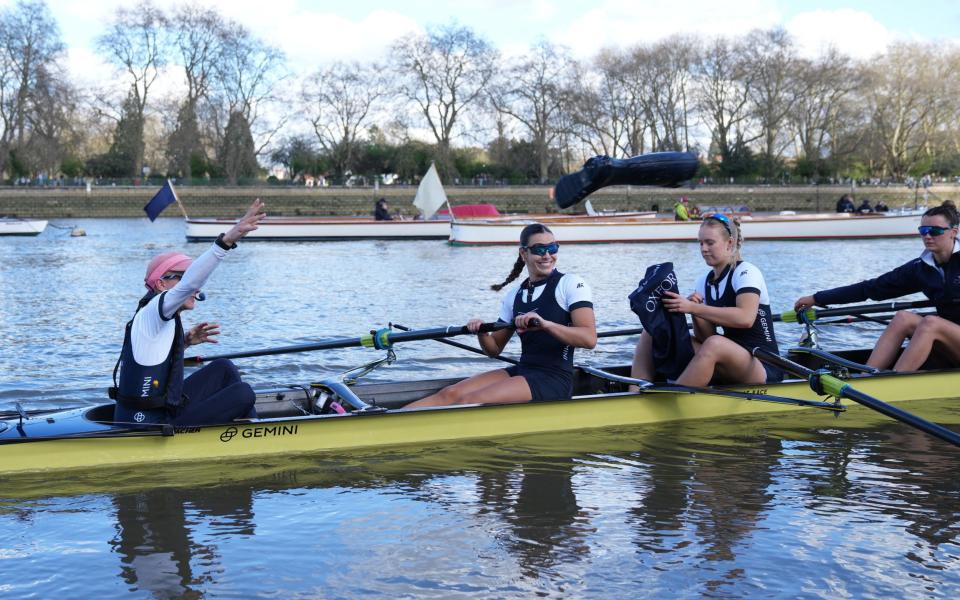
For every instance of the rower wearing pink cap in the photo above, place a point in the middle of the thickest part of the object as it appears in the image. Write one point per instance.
(149, 385)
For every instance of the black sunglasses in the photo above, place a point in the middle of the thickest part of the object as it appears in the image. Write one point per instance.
(542, 249)
(172, 276)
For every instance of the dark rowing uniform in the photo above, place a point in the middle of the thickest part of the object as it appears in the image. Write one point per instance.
(744, 278)
(545, 362)
(938, 282)
(149, 378)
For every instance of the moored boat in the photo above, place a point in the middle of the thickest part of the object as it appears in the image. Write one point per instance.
(300, 419)
(815, 226)
(324, 229)
(17, 226)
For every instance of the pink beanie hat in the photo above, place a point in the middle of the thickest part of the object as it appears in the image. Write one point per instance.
(168, 261)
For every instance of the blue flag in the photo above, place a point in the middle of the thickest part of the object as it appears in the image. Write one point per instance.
(164, 198)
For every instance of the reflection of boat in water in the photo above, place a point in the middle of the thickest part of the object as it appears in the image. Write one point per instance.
(297, 419)
(18, 226)
(755, 227)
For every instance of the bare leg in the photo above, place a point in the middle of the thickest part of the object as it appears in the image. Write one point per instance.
(642, 360)
(453, 394)
(726, 358)
(888, 346)
(931, 330)
(509, 391)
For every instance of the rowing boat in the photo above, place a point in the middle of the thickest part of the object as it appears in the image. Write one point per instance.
(297, 419)
(815, 226)
(366, 228)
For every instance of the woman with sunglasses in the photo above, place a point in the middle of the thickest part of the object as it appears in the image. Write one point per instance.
(936, 273)
(151, 387)
(732, 295)
(552, 313)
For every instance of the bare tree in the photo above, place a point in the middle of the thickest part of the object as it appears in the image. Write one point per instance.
(723, 86)
(598, 101)
(198, 35)
(341, 99)
(249, 75)
(30, 47)
(531, 91)
(443, 73)
(898, 99)
(822, 113)
(671, 70)
(771, 57)
(134, 42)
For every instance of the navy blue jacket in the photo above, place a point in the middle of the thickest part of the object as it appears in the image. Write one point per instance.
(672, 348)
(940, 283)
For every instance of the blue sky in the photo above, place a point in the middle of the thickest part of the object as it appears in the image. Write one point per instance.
(315, 32)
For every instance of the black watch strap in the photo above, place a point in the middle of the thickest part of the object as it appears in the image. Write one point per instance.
(223, 244)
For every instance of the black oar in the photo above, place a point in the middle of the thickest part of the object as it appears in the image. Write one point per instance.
(383, 338)
(825, 384)
(812, 314)
(647, 387)
(506, 359)
(513, 361)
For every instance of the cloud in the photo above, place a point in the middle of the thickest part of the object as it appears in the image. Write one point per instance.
(624, 23)
(853, 32)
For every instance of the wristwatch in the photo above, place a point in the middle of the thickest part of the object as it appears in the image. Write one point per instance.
(223, 244)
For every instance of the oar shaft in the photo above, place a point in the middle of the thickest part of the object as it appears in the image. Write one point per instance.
(826, 384)
(812, 314)
(506, 359)
(377, 339)
(899, 414)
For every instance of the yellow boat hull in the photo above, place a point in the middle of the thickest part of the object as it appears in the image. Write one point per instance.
(343, 432)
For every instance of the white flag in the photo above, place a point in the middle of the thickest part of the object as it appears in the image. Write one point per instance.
(430, 194)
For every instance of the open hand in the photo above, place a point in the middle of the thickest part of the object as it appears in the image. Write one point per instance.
(249, 222)
(202, 333)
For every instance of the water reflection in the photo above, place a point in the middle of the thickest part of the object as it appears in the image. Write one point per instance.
(538, 502)
(156, 536)
(735, 508)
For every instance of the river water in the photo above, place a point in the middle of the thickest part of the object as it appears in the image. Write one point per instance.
(809, 506)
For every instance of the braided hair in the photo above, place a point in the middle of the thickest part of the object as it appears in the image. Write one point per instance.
(525, 235)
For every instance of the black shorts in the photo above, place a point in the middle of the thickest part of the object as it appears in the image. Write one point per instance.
(545, 384)
(774, 374)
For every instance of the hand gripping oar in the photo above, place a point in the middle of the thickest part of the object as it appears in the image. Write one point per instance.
(380, 339)
(824, 384)
(659, 168)
(812, 314)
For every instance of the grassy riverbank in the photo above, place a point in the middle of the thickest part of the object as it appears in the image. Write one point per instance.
(229, 201)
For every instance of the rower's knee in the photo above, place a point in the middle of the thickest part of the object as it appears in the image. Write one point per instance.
(929, 326)
(904, 322)
(712, 347)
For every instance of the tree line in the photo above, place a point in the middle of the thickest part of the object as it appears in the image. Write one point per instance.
(752, 106)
